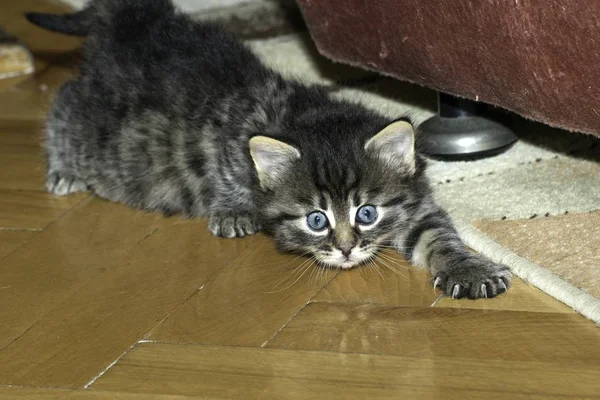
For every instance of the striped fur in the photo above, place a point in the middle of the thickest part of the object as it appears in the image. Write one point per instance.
(161, 118)
(433, 243)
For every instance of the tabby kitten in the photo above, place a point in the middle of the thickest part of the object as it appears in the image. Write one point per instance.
(177, 116)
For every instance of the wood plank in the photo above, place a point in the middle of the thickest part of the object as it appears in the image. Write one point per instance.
(24, 139)
(229, 372)
(48, 81)
(565, 339)
(27, 103)
(98, 281)
(33, 209)
(45, 271)
(520, 297)
(248, 303)
(406, 285)
(21, 160)
(11, 240)
(17, 393)
(409, 286)
(23, 107)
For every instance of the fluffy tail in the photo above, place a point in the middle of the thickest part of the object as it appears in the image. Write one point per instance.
(76, 24)
(125, 11)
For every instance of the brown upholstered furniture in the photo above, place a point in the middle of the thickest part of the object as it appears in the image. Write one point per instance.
(538, 58)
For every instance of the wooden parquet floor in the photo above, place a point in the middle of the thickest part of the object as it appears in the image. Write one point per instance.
(100, 301)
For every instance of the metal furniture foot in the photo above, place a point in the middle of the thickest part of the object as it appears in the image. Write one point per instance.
(461, 131)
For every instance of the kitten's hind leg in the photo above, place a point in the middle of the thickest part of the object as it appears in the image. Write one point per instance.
(60, 180)
(63, 177)
(230, 225)
(62, 185)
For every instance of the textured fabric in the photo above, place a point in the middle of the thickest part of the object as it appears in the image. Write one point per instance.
(542, 278)
(533, 190)
(567, 245)
(538, 58)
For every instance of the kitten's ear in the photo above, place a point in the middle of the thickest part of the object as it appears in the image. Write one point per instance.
(271, 158)
(395, 144)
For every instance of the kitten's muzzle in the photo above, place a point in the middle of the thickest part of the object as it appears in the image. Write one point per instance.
(346, 248)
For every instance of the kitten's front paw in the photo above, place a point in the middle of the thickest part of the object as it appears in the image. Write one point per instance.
(231, 225)
(476, 277)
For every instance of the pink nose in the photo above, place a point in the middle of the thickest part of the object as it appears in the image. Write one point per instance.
(346, 249)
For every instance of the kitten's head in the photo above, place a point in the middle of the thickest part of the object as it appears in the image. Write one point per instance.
(342, 196)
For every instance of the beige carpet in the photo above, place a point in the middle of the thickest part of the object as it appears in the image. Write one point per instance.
(568, 245)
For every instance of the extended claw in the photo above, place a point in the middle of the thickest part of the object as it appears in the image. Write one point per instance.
(503, 285)
(484, 290)
(455, 291)
(437, 282)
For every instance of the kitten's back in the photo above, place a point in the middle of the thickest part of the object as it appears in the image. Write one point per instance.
(145, 122)
(151, 40)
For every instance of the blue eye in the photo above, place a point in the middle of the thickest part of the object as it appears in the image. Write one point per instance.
(317, 221)
(366, 215)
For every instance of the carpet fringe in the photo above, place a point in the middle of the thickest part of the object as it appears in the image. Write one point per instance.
(535, 275)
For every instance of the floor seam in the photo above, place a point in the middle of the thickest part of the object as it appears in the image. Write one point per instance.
(87, 197)
(105, 370)
(210, 278)
(19, 337)
(144, 338)
(363, 353)
(17, 247)
(152, 232)
(42, 229)
(21, 229)
(298, 312)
